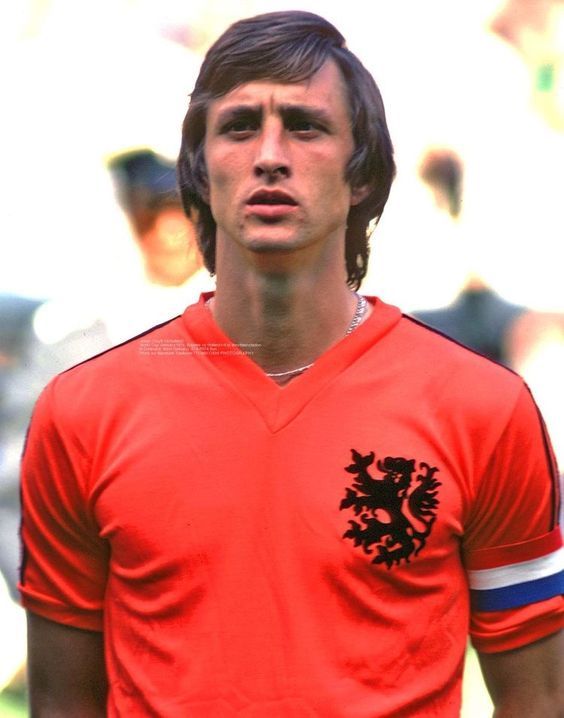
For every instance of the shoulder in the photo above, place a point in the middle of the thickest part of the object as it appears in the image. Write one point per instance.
(458, 381)
(436, 353)
(114, 376)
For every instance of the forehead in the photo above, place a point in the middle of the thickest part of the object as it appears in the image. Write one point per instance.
(325, 90)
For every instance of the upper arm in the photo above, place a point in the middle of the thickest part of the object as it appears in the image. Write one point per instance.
(527, 682)
(64, 558)
(64, 569)
(66, 669)
(512, 541)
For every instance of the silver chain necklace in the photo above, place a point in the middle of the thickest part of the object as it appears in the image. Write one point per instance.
(359, 313)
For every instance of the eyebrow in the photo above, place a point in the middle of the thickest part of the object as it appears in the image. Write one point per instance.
(286, 111)
(309, 112)
(230, 113)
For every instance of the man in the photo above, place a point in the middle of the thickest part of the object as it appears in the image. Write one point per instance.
(478, 318)
(281, 515)
(16, 314)
(148, 194)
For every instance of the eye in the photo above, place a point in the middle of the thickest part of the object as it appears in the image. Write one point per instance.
(304, 128)
(240, 129)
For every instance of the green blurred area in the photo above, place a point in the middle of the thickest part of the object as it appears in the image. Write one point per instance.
(13, 704)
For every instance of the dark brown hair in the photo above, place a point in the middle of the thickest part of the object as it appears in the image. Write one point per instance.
(290, 47)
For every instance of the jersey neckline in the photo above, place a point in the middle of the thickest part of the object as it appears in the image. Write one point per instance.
(279, 405)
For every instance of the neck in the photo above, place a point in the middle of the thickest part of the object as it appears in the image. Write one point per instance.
(290, 319)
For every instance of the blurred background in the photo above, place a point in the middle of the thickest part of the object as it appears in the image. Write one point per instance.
(95, 248)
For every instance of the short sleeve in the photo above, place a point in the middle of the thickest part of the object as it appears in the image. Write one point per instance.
(64, 560)
(513, 542)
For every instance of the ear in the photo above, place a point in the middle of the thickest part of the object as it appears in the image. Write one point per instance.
(358, 194)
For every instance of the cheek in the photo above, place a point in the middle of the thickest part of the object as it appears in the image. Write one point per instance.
(217, 183)
(225, 166)
(331, 183)
(225, 179)
(213, 167)
(225, 175)
(327, 169)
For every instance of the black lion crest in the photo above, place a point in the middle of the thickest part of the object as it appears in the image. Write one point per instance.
(396, 511)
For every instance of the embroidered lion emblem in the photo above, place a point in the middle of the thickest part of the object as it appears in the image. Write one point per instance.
(396, 511)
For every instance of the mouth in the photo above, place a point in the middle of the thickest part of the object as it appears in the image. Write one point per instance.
(271, 204)
(271, 197)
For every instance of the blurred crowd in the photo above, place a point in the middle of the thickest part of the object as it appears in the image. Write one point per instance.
(469, 243)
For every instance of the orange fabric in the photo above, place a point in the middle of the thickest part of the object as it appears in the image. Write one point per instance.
(203, 517)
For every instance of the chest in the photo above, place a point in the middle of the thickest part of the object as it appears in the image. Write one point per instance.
(354, 484)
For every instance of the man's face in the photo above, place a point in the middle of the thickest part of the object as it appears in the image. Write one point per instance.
(276, 156)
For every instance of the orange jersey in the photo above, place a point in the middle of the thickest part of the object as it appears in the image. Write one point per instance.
(319, 549)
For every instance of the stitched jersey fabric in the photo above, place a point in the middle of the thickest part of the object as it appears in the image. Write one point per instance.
(320, 549)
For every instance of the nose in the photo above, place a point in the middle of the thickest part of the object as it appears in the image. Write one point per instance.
(272, 157)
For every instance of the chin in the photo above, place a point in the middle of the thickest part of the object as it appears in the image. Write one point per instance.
(274, 242)
(261, 246)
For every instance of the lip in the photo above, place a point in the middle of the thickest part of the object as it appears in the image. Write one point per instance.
(271, 211)
(271, 204)
(271, 197)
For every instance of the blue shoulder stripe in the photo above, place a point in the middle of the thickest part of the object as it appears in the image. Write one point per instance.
(521, 594)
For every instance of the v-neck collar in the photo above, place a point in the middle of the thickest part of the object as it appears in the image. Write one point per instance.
(279, 405)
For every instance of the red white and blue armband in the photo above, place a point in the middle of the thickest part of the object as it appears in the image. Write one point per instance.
(513, 576)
